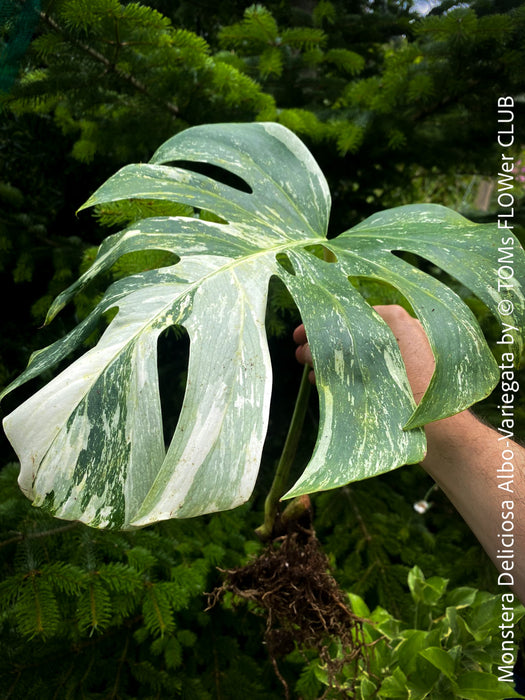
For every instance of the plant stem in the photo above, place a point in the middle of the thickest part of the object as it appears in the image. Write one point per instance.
(280, 482)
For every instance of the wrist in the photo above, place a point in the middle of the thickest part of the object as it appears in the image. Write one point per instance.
(447, 438)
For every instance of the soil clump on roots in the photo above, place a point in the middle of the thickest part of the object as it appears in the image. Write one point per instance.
(291, 584)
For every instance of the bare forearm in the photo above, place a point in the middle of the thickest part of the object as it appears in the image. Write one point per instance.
(467, 459)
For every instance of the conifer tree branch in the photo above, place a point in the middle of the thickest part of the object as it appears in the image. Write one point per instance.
(34, 535)
(348, 493)
(110, 66)
(446, 101)
(122, 660)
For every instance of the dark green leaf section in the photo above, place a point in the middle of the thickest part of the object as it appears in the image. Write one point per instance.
(465, 369)
(356, 357)
(471, 253)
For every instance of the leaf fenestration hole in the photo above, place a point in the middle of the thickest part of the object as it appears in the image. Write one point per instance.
(425, 265)
(430, 268)
(173, 350)
(420, 262)
(215, 172)
(378, 292)
(285, 262)
(322, 252)
(328, 255)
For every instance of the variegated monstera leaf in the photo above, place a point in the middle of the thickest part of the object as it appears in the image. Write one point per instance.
(91, 441)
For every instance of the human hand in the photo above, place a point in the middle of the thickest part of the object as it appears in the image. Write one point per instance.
(411, 338)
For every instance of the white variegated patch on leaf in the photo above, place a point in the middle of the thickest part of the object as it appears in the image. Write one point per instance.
(91, 441)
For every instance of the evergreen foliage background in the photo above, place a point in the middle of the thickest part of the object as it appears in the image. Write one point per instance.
(396, 108)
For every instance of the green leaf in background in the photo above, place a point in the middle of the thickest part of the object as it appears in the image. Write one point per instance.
(91, 441)
(440, 659)
(367, 689)
(482, 686)
(395, 686)
(426, 591)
